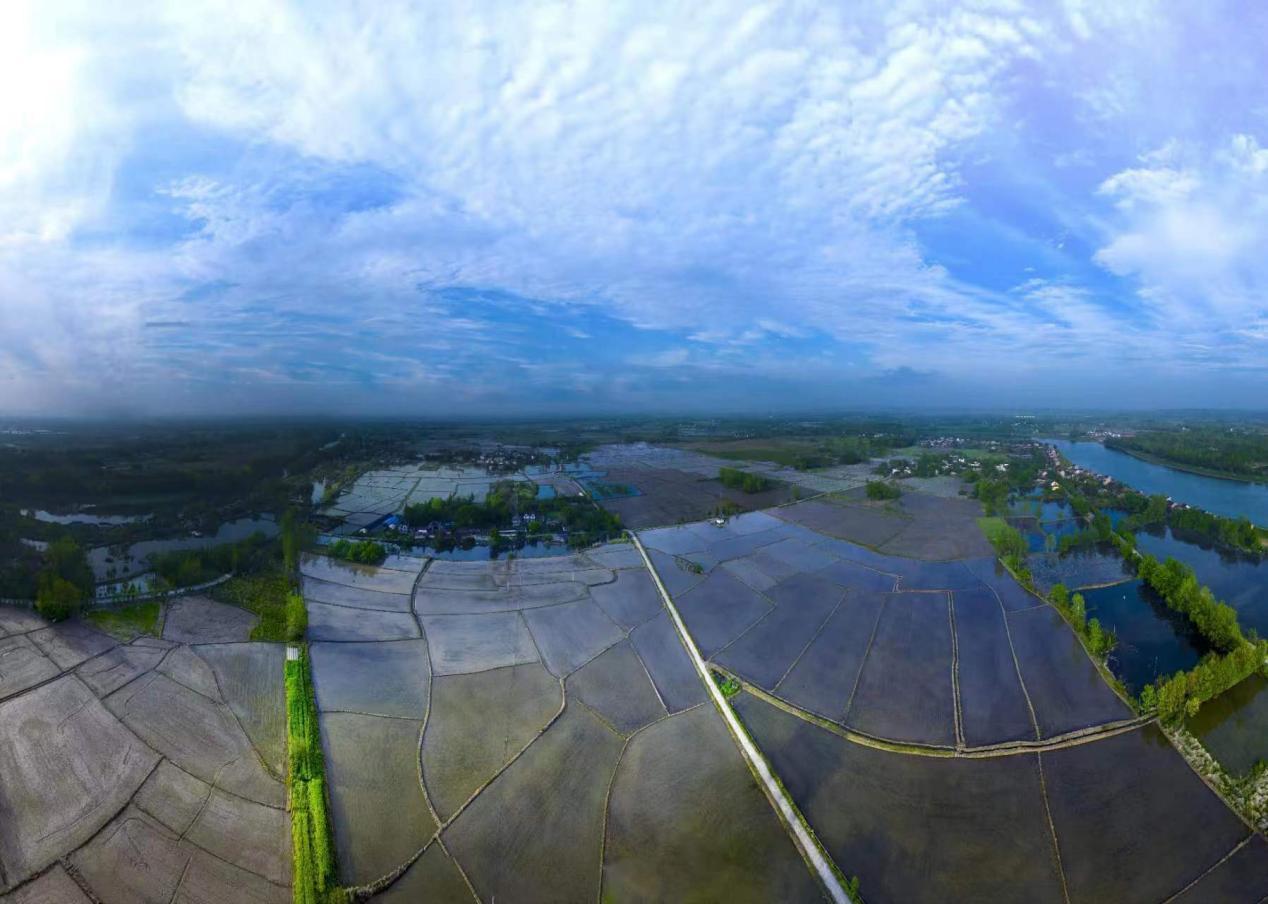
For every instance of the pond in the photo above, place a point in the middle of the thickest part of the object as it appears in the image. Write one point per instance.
(1239, 580)
(1033, 506)
(1230, 498)
(83, 518)
(1043, 536)
(1088, 566)
(1234, 726)
(133, 560)
(1152, 640)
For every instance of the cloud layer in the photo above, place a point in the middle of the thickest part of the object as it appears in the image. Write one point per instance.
(492, 208)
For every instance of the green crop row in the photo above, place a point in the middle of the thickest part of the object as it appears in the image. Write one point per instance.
(315, 876)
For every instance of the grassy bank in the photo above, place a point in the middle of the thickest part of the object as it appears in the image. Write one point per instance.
(315, 875)
(994, 528)
(127, 622)
(273, 598)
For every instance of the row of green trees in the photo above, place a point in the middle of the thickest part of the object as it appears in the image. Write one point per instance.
(1235, 657)
(1178, 586)
(1236, 533)
(1183, 693)
(1073, 607)
(187, 567)
(1239, 533)
(1011, 548)
(736, 479)
(1101, 530)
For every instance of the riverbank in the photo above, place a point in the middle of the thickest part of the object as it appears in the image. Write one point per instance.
(1213, 473)
(1231, 499)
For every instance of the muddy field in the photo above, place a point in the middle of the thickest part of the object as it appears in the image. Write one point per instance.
(520, 735)
(534, 730)
(944, 654)
(667, 496)
(145, 771)
(1116, 819)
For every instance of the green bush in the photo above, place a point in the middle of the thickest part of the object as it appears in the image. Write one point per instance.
(57, 599)
(879, 489)
(366, 552)
(1008, 542)
(736, 479)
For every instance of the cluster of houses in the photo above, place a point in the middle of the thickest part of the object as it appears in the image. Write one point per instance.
(1057, 471)
(445, 531)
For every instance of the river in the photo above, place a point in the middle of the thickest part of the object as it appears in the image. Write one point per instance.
(1234, 726)
(1230, 498)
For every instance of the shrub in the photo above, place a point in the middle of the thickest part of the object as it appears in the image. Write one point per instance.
(367, 552)
(880, 489)
(742, 480)
(57, 599)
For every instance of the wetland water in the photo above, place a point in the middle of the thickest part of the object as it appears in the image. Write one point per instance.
(133, 561)
(1234, 726)
(1230, 498)
(1240, 581)
(1152, 640)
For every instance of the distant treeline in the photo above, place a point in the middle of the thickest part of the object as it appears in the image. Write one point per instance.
(1207, 448)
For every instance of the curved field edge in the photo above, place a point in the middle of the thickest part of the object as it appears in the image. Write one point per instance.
(837, 887)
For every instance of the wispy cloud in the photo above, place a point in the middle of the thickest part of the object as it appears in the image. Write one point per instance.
(279, 204)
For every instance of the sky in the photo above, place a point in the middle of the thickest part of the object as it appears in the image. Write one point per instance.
(495, 208)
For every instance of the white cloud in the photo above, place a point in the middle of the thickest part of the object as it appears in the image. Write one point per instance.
(1192, 231)
(740, 177)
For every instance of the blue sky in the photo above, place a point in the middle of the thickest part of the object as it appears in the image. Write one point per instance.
(493, 208)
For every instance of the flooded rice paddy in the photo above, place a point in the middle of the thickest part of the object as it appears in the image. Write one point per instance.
(537, 732)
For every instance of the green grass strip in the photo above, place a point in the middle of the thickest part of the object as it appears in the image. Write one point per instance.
(315, 875)
(127, 622)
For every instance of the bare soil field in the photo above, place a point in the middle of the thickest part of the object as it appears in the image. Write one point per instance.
(670, 496)
(871, 640)
(497, 734)
(977, 753)
(126, 774)
(1120, 818)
